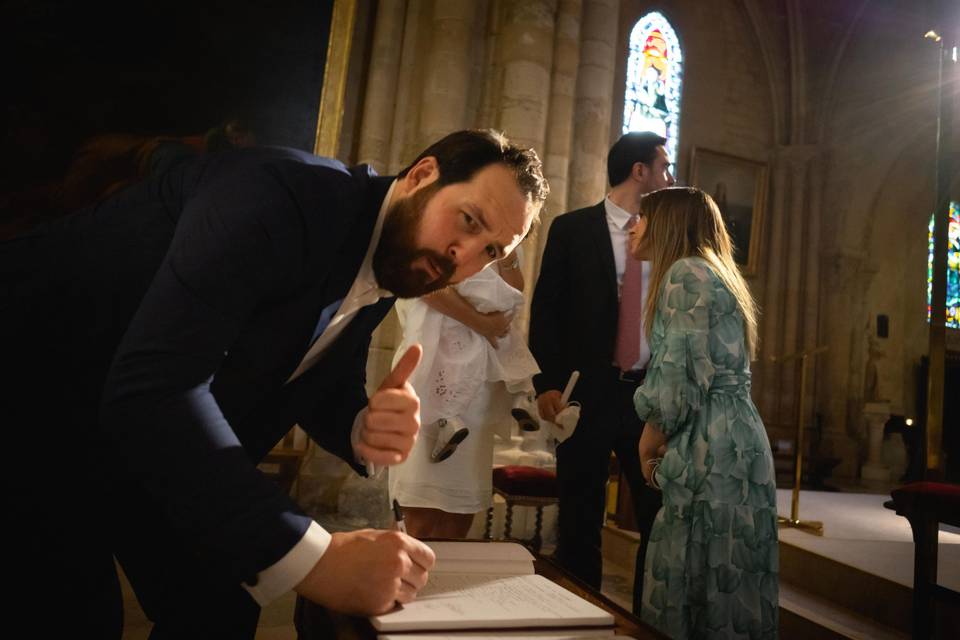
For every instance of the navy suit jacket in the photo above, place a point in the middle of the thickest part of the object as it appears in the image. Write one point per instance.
(192, 298)
(573, 315)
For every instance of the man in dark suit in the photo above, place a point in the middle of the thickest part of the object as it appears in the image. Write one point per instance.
(577, 324)
(165, 339)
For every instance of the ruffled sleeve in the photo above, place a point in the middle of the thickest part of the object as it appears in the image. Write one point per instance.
(680, 370)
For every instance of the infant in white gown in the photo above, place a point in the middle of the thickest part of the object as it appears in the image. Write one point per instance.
(463, 382)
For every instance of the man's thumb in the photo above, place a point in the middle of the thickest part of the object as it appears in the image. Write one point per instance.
(405, 367)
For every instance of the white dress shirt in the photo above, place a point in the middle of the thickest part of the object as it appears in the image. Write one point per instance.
(618, 221)
(292, 568)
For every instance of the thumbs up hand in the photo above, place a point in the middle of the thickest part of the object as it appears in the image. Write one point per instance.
(393, 415)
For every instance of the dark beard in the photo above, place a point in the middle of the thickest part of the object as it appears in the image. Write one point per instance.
(397, 251)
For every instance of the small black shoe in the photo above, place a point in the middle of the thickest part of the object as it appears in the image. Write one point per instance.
(447, 445)
(524, 419)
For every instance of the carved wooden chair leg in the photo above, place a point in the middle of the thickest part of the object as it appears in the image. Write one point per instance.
(538, 525)
(508, 526)
(489, 528)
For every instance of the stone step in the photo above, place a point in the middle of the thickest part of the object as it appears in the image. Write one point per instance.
(806, 616)
(873, 597)
(619, 546)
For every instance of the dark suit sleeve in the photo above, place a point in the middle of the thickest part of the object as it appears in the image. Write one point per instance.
(342, 398)
(238, 245)
(547, 310)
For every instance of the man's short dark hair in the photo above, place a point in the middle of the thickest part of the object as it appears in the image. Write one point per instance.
(631, 148)
(462, 153)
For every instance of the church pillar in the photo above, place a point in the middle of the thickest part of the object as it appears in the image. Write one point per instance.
(404, 134)
(591, 139)
(766, 372)
(789, 320)
(846, 277)
(556, 150)
(380, 102)
(443, 105)
(525, 50)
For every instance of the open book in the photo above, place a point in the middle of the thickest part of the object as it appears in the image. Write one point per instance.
(490, 585)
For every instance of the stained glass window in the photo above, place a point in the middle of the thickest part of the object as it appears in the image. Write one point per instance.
(953, 267)
(654, 75)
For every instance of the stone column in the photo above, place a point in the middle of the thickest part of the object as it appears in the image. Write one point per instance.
(380, 102)
(404, 136)
(556, 151)
(874, 471)
(446, 85)
(595, 75)
(845, 274)
(767, 374)
(525, 50)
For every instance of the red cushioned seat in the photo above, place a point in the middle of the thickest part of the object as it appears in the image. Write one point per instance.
(939, 499)
(525, 481)
(525, 487)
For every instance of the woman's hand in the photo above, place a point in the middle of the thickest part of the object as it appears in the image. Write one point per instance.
(647, 470)
(653, 444)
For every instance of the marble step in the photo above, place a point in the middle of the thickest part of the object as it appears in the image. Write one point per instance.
(873, 597)
(806, 616)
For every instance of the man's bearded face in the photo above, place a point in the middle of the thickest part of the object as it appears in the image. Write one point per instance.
(397, 250)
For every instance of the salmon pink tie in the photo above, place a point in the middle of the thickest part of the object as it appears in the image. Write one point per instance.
(631, 310)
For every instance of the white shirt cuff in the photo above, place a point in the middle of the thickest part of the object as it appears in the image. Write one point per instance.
(291, 569)
(358, 422)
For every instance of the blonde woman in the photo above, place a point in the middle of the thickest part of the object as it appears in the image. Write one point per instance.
(711, 569)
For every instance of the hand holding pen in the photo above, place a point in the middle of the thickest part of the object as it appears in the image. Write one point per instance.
(398, 517)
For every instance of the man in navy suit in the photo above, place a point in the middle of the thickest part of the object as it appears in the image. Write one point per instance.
(164, 340)
(574, 324)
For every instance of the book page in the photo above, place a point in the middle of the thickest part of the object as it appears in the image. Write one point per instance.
(454, 552)
(461, 601)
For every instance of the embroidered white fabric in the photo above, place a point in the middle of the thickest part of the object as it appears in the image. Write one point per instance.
(457, 360)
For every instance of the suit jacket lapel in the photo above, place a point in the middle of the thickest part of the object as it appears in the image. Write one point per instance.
(354, 248)
(601, 237)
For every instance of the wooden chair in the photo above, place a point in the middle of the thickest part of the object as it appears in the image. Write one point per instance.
(925, 505)
(525, 487)
(285, 460)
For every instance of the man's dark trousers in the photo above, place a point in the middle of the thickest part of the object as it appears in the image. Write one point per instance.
(573, 327)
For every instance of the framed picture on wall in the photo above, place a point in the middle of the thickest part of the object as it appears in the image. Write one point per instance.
(739, 186)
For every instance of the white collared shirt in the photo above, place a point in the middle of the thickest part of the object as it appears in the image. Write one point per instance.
(292, 568)
(618, 220)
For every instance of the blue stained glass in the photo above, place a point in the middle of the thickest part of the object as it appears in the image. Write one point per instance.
(654, 76)
(953, 267)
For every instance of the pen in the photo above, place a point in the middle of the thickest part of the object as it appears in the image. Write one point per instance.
(571, 383)
(398, 517)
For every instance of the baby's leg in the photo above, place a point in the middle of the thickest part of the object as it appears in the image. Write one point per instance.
(453, 525)
(422, 522)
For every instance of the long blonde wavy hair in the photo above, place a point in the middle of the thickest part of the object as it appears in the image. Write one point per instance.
(684, 222)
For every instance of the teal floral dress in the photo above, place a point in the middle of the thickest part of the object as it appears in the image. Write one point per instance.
(711, 568)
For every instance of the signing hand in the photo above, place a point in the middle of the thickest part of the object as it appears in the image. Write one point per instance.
(393, 415)
(365, 572)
